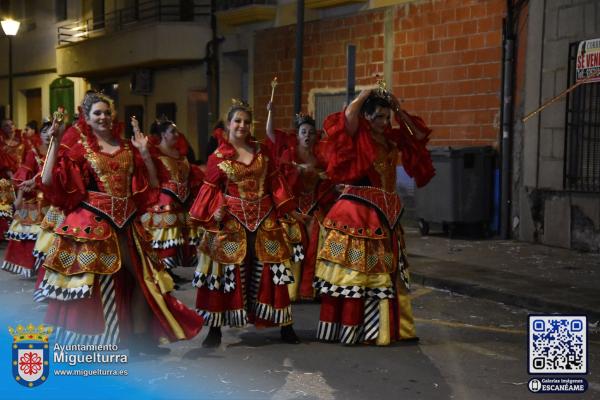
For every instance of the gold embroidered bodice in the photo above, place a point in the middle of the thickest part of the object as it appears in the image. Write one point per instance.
(179, 169)
(246, 181)
(385, 167)
(114, 172)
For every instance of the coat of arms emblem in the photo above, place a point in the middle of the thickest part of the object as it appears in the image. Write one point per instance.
(30, 354)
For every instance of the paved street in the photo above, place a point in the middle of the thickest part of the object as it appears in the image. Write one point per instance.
(470, 349)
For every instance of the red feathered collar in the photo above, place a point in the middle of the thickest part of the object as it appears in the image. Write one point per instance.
(226, 149)
(72, 134)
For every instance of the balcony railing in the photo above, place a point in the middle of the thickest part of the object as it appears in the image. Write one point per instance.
(145, 12)
(229, 4)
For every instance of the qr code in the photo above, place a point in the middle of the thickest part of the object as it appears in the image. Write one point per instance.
(557, 344)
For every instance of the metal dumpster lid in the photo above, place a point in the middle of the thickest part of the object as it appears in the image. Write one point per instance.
(450, 151)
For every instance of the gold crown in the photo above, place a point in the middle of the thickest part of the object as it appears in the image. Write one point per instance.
(382, 90)
(301, 118)
(31, 332)
(239, 103)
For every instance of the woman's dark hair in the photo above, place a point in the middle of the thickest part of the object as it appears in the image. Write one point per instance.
(92, 97)
(32, 124)
(219, 125)
(163, 126)
(45, 126)
(238, 105)
(372, 102)
(301, 119)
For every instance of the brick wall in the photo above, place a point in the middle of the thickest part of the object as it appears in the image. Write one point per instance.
(446, 64)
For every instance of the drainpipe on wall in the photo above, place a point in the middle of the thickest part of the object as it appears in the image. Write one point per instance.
(299, 56)
(506, 129)
(212, 69)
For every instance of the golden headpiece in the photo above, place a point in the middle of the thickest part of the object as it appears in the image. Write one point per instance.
(302, 118)
(382, 90)
(93, 96)
(240, 104)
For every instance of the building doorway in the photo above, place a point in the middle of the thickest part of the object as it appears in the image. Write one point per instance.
(62, 94)
(198, 122)
(34, 105)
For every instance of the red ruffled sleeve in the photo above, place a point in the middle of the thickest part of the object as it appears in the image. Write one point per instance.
(281, 194)
(210, 197)
(69, 175)
(346, 157)
(161, 170)
(283, 152)
(196, 178)
(27, 170)
(283, 141)
(416, 159)
(144, 195)
(7, 163)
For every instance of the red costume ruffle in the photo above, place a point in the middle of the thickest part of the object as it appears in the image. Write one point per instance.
(349, 158)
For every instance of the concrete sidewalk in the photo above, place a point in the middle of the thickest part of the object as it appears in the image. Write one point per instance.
(536, 277)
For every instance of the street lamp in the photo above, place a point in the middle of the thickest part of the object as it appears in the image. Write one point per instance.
(10, 28)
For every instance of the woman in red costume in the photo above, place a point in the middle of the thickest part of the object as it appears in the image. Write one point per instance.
(30, 208)
(12, 151)
(52, 218)
(244, 262)
(297, 160)
(103, 284)
(166, 220)
(362, 272)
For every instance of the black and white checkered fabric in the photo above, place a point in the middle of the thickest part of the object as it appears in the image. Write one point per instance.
(281, 274)
(214, 282)
(10, 235)
(380, 293)
(6, 214)
(324, 287)
(353, 292)
(194, 241)
(297, 253)
(111, 320)
(229, 278)
(64, 294)
(233, 318)
(167, 244)
(17, 269)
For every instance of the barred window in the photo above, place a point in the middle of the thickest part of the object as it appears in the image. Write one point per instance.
(582, 139)
(328, 103)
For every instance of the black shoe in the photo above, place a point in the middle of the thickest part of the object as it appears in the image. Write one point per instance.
(288, 335)
(213, 339)
(414, 339)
